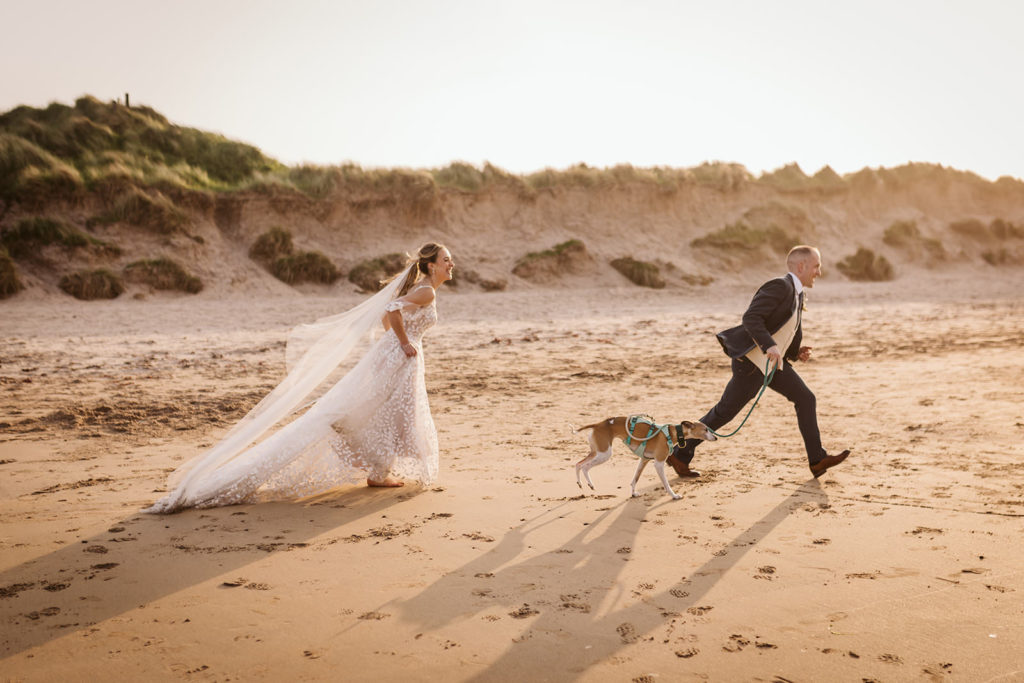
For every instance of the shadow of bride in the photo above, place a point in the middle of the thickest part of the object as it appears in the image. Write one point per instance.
(143, 558)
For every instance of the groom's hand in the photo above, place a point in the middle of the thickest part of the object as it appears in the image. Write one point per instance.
(775, 357)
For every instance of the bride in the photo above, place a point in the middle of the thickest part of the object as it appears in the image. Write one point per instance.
(374, 423)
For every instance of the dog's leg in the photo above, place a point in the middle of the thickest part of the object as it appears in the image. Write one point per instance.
(585, 465)
(599, 458)
(660, 466)
(636, 477)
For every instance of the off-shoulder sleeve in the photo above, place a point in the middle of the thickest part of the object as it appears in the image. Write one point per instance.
(396, 305)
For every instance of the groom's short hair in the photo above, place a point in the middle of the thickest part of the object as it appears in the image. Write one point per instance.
(799, 253)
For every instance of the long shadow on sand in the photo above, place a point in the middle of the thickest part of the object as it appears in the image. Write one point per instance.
(585, 569)
(143, 558)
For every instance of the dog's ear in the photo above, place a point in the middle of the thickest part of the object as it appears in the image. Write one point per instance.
(687, 424)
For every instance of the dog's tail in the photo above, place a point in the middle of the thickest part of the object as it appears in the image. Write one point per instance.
(574, 428)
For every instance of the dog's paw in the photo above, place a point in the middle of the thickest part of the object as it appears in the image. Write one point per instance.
(676, 496)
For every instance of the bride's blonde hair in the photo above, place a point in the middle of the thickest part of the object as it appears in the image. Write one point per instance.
(425, 256)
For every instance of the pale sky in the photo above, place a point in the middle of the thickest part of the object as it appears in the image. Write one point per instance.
(532, 84)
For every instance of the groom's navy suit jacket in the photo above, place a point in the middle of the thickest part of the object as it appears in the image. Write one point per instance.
(769, 310)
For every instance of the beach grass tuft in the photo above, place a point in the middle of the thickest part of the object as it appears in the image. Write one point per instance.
(152, 211)
(271, 245)
(370, 274)
(639, 272)
(162, 274)
(9, 282)
(92, 284)
(305, 266)
(865, 265)
(30, 234)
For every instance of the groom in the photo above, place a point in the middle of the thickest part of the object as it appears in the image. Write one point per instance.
(771, 324)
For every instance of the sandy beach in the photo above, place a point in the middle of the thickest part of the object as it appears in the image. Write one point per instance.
(902, 564)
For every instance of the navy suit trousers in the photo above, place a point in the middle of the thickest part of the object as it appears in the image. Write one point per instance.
(745, 383)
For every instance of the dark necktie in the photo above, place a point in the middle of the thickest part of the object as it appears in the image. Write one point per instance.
(799, 309)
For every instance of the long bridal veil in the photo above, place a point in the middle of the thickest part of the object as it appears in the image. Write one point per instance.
(312, 354)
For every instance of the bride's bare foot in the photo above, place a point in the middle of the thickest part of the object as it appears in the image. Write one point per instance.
(389, 482)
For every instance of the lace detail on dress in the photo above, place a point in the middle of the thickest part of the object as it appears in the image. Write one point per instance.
(398, 437)
(374, 422)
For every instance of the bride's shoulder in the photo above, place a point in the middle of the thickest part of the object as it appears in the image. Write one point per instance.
(421, 296)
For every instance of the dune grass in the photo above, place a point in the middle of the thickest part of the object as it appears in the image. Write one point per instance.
(92, 284)
(305, 266)
(275, 251)
(152, 211)
(906, 235)
(865, 265)
(59, 151)
(999, 257)
(1005, 230)
(971, 228)
(741, 237)
(565, 257)
(902, 234)
(31, 234)
(639, 272)
(145, 140)
(368, 275)
(271, 245)
(567, 247)
(473, 277)
(162, 274)
(10, 284)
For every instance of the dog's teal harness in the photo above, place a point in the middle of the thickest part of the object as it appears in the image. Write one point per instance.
(653, 429)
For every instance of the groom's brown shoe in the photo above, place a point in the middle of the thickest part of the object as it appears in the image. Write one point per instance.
(681, 468)
(829, 461)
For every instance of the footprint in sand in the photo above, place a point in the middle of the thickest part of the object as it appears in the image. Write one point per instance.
(687, 653)
(572, 601)
(736, 643)
(627, 632)
(679, 593)
(373, 616)
(523, 612)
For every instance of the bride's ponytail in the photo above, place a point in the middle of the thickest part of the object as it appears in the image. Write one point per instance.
(426, 255)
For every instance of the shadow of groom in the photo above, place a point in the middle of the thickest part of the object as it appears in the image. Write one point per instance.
(574, 635)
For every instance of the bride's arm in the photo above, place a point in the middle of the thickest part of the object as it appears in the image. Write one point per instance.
(393, 320)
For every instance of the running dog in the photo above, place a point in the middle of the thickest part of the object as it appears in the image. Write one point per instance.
(649, 441)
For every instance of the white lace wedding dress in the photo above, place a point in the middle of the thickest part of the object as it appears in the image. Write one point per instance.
(373, 423)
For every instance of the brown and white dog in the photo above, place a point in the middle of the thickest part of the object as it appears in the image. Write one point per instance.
(604, 433)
